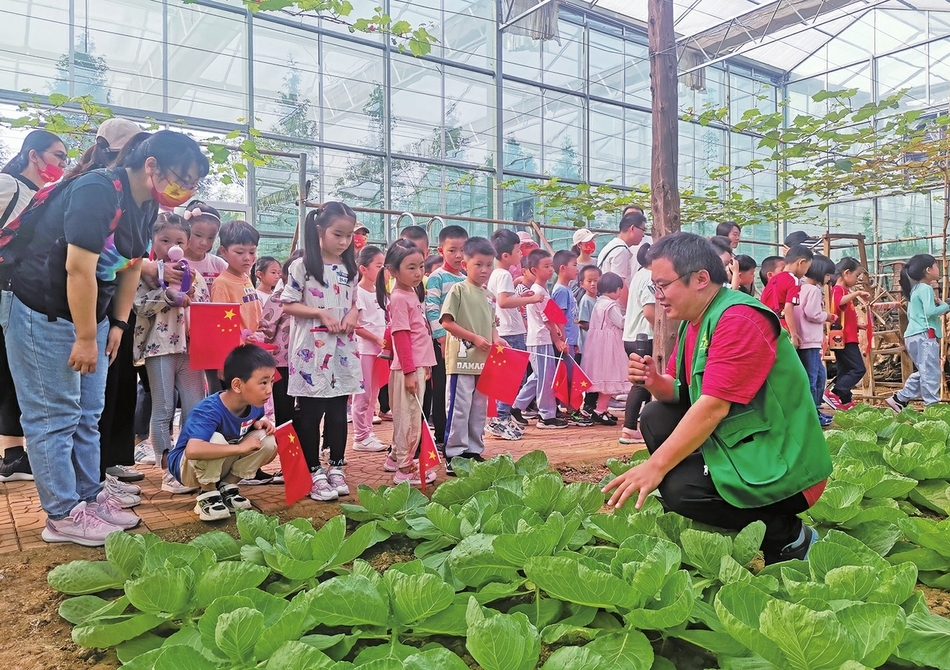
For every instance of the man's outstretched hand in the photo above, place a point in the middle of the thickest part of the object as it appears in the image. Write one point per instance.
(643, 478)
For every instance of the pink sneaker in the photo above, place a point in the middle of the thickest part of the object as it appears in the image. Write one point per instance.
(109, 510)
(82, 526)
(411, 477)
(390, 464)
(832, 400)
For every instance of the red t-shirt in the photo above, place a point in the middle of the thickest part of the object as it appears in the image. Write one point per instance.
(785, 288)
(847, 316)
(744, 339)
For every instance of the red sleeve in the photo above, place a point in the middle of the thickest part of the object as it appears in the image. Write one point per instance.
(741, 355)
(402, 344)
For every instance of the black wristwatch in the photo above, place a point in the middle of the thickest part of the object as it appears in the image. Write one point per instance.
(115, 323)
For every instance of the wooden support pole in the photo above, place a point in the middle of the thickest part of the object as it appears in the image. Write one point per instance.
(664, 191)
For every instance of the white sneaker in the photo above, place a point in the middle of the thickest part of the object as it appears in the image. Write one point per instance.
(82, 526)
(144, 453)
(371, 443)
(231, 495)
(109, 510)
(173, 486)
(125, 473)
(122, 498)
(210, 507)
(338, 481)
(376, 419)
(321, 489)
(125, 487)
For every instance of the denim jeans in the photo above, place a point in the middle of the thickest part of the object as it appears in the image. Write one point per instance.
(61, 408)
(515, 342)
(925, 382)
(817, 375)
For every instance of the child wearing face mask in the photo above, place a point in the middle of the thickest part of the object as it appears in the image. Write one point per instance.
(161, 341)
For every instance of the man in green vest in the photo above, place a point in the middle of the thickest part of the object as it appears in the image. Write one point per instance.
(733, 436)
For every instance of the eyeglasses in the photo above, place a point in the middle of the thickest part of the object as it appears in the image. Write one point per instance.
(188, 186)
(659, 290)
(63, 158)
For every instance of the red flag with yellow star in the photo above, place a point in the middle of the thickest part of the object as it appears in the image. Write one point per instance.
(297, 482)
(503, 372)
(429, 457)
(570, 385)
(214, 332)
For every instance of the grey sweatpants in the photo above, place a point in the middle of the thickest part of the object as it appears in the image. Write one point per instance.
(466, 411)
(925, 382)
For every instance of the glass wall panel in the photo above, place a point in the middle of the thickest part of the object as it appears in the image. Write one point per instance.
(858, 77)
(563, 64)
(898, 28)
(563, 127)
(638, 143)
(637, 73)
(207, 61)
(904, 70)
(854, 43)
(468, 32)
(118, 57)
(287, 81)
(522, 128)
(416, 106)
(606, 72)
(352, 94)
(359, 181)
(606, 153)
(35, 35)
(939, 72)
(902, 218)
(469, 116)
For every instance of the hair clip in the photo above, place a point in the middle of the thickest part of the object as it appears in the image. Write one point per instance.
(196, 213)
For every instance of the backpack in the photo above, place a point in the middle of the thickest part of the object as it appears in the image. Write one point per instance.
(16, 235)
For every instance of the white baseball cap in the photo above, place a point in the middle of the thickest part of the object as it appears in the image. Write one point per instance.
(117, 132)
(583, 235)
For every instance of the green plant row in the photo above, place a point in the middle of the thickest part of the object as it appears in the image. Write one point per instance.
(517, 570)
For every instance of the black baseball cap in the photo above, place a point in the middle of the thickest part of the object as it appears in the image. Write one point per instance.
(800, 237)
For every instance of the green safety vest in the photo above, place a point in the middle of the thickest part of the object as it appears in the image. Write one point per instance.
(773, 447)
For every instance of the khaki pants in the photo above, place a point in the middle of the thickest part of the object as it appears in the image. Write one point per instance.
(407, 415)
(200, 473)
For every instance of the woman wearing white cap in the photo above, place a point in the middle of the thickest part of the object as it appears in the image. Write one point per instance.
(584, 247)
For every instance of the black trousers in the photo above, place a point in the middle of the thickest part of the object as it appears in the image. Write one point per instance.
(637, 397)
(689, 491)
(434, 400)
(9, 407)
(332, 413)
(283, 403)
(117, 423)
(850, 366)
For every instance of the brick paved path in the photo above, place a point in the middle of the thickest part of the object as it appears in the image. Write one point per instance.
(22, 519)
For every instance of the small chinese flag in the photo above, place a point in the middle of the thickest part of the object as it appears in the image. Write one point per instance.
(503, 372)
(381, 371)
(297, 482)
(570, 383)
(215, 331)
(429, 457)
(554, 313)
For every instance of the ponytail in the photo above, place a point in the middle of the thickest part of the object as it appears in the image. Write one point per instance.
(322, 218)
(914, 271)
(398, 252)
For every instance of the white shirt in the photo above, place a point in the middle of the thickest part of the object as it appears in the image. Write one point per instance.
(8, 190)
(510, 321)
(372, 318)
(616, 257)
(635, 322)
(538, 333)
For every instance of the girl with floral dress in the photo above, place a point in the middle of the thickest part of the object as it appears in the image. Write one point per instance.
(323, 366)
(605, 360)
(161, 340)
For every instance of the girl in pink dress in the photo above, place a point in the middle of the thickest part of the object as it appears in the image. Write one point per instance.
(605, 361)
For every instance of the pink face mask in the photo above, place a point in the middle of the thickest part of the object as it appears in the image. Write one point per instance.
(359, 241)
(588, 247)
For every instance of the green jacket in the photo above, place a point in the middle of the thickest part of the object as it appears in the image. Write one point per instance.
(773, 447)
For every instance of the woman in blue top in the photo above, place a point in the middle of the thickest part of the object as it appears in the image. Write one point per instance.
(922, 337)
(73, 292)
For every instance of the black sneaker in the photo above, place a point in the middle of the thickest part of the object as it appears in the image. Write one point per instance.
(896, 403)
(579, 419)
(472, 455)
(603, 419)
(518, 416)
(551, 423)
(15, 466)
(258, 479)
(448, 468)
(800, 547)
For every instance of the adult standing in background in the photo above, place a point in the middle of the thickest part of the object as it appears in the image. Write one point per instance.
(617, 255)
(41, 160)
(85, 255)
(731, 230)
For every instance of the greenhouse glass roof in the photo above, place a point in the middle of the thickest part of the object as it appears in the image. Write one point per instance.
(777, 33)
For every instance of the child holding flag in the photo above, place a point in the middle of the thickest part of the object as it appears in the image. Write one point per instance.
(468, 317)
(413, 357)
(226, 437)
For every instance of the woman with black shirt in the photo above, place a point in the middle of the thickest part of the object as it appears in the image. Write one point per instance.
(41, 160)
(73, 293)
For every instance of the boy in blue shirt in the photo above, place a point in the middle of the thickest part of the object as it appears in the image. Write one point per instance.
(565, 266)
(226, 438)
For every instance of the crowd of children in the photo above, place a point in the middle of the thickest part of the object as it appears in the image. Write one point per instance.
(344, 325)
